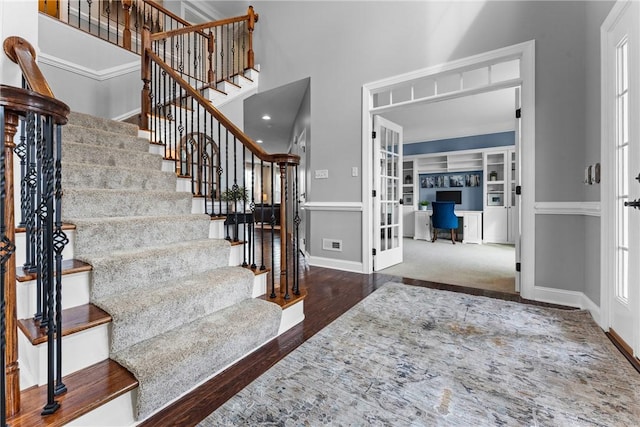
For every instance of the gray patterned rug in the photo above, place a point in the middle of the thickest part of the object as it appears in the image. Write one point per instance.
(411, 356)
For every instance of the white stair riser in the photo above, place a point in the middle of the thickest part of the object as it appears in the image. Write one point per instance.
(79, 351)
(75, 292)
(115, 413)
(291, 316)
(216, 229)
(259, 285)
(21, 247)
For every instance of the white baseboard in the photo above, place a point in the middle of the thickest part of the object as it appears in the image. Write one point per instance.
(336, 264)
(568, 298)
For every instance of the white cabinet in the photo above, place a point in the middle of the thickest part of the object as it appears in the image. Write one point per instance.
(408, 221)
(499, 196)
(472, 227)
(409, 197)
(422, 225)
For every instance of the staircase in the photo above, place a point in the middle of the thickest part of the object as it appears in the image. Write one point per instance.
(179, 312)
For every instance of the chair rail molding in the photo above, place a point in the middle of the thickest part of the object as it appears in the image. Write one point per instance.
(568, 208)
(333, 206)
(81, 70)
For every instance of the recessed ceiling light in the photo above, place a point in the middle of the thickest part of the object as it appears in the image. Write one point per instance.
(259, 141)
(266, 117)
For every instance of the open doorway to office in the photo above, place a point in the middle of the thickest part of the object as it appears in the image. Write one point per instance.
(461, 150)
(507, 71)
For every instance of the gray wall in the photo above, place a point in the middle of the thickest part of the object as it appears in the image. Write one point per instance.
(77, 77)
(329, 42)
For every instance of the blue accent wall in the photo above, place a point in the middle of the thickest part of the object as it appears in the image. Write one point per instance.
(500, 139)
(471, 196)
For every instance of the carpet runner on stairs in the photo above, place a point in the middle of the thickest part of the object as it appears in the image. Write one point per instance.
(180, 313)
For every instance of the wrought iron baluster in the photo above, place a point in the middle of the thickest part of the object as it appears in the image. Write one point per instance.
(273, 226)
(60, 240)
(46, 219)
(252, 206)
(284, 251)
(263, 200)
(296, 234)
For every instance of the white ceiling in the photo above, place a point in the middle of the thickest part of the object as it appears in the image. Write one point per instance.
(282, 105)
(471, 115)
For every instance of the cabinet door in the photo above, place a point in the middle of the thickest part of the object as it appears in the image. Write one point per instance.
(422, 225)
(472, 228)
(495, 220)
(408, 223)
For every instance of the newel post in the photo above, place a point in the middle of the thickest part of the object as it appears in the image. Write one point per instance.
(145, 99)
(126, 33)
(12, 369)
(284, 255)
(253, 18)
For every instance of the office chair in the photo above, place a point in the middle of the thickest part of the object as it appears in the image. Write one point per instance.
(443, 218)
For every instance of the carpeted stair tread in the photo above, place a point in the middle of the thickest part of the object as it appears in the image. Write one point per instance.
(105, 235)
(140, 314)
(121, 271)
(107, 156)
(96, 203)
(88, 135)
(170, 364)
(86, 120)
(79, 175)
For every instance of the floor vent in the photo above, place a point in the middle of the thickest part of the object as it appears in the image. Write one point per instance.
(332, 245)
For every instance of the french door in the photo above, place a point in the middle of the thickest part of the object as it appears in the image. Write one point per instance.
(387, 202)
(621, 71)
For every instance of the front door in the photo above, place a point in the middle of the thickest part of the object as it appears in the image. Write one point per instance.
(387, 201)
(621, 53)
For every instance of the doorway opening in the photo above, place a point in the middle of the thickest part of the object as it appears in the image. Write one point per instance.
(502, 213)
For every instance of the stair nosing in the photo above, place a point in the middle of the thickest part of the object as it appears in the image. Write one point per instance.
(95, 317)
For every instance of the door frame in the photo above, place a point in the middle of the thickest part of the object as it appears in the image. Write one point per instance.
(526, 53)
(608, 178)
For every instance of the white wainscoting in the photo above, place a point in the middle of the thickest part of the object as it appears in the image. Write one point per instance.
(568, 298)
(567, 208)
(336, 264)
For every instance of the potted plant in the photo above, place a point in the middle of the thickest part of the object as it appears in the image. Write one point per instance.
(423, 205)
(234, 194)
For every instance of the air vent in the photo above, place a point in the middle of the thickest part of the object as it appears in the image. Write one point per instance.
(332, 245)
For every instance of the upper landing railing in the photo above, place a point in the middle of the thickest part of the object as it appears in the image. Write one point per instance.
(117, 21)
(210, 53)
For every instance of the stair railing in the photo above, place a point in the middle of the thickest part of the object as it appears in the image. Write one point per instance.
(117, 21)
(210, 53)
(39, 116)
(233, 174)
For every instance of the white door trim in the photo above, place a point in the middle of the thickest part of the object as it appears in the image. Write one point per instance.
(526, 52)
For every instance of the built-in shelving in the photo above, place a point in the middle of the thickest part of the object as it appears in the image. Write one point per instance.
(452, 162)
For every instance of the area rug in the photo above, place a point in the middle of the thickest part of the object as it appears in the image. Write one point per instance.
(412, 356)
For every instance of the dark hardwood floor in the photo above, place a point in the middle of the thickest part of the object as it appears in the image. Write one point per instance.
(330, 293)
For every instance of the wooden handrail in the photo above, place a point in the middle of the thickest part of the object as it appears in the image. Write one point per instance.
(167, 12)
(284, 158)
(206, 25)
(22, 53)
